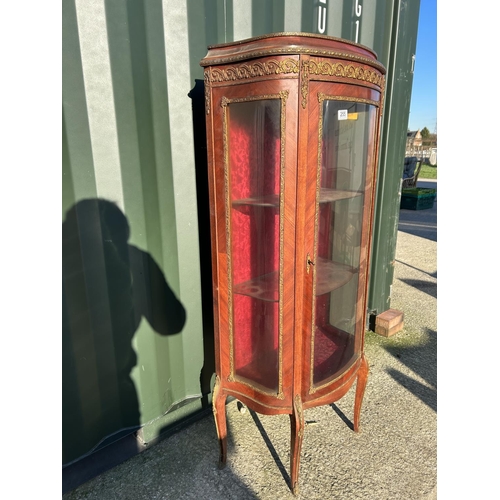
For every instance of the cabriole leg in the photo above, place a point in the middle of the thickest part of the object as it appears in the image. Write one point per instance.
(360, 391)
(297, 433)
(219, 409)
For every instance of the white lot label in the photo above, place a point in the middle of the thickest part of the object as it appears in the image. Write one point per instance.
(342, 114)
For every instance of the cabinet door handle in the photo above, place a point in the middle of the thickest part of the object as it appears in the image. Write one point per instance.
(309, 263)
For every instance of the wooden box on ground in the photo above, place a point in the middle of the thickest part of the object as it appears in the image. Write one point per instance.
(389, 322)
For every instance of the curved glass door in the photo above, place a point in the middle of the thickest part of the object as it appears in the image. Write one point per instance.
(253, 183)
(346, 148)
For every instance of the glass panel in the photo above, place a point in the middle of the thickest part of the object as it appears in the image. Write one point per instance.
(347, 146)
(254, 176)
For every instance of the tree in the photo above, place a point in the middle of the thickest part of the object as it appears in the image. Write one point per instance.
(425, 133)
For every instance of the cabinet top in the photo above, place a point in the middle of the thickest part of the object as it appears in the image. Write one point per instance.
(290, 43)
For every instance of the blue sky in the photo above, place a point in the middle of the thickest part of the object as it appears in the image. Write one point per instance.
(423, 107)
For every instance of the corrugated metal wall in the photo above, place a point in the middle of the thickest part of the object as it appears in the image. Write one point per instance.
(399, 79)
(137, 339)
(128, 139)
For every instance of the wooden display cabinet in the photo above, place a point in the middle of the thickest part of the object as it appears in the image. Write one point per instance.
(293, 123)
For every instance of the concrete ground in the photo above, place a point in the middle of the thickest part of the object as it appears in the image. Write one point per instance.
(393, 457)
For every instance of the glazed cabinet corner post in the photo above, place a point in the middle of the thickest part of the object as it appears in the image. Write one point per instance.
(293, 125)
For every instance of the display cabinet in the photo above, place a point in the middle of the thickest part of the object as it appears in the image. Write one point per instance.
(293, 123)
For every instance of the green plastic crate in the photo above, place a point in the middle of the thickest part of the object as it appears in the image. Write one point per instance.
(417, 198)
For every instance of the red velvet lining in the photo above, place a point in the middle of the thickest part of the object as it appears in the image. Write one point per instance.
(333, 348)
(254, 173)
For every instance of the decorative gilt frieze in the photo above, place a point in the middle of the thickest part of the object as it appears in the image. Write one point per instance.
(297, 404)
(225, 140)
(254, 70)
(322, 97)
(284, 96)
(207, 91)
(291, 66)
(215, 395)
(343, 70)
(335, 69)
(304, 85)
(296, 51)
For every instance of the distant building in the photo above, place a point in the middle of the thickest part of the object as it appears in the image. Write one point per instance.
(413, 142)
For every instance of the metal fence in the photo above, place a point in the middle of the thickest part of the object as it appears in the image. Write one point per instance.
(427, 155)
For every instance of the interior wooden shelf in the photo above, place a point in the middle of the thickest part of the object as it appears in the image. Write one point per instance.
(328, 195)
(329, 276)
(263, 287)
(271, 200)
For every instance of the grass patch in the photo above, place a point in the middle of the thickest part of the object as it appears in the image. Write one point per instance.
(428, 172)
